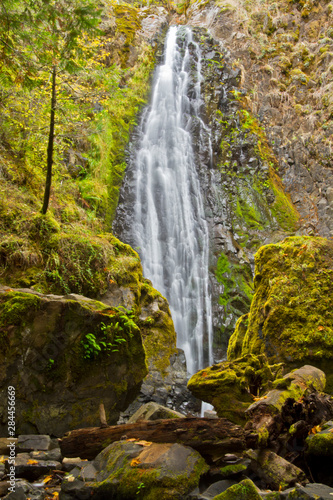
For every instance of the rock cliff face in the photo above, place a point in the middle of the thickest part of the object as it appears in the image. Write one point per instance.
(65, 355)
(268, 92)
(284, 55)
(267, 87)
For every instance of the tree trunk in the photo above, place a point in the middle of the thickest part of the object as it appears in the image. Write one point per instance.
(50, 145)
(211, 437)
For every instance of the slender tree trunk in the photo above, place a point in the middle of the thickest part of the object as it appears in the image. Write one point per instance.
(50, 145)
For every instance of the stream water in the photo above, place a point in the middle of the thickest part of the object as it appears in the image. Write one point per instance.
(168, 226)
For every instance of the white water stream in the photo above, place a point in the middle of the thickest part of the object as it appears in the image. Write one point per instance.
(169, 226)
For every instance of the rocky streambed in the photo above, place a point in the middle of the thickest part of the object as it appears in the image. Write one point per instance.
(282, 452)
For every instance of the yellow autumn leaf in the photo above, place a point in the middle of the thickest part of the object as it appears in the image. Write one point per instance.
(32, 462)
(315, 429)
(135, 462)
(144, 443)
(47, 479)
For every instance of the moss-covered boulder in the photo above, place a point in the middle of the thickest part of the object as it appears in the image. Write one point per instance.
(147, 470)
(275, 471)
(291, 316)
(245, 490)
(293, 385)
(319, 453)
(230, 386)
(64, 355)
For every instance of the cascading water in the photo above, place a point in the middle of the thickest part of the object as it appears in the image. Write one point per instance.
(168, 223)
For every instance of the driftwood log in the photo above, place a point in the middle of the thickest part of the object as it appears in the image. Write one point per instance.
(210, 437)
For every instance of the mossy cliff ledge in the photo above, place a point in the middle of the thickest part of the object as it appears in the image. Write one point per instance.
(65, 355)
(291, 316)
(231, 385)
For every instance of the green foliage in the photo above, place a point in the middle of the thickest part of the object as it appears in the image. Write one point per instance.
(96, 109)
(140, 488)
(112, 336)
(112, 132)
(43, 33)
(92, 347)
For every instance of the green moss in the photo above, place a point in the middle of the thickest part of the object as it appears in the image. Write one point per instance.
(263, 436)
(245, 490)
(282, 208)
(282, 383)
(320, 445)
(230, 386)
(232, 470)
(236, 340)
(291, 313)
(16, 306)
(125, 478)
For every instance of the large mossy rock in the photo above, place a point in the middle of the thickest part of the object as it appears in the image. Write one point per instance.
(275, 471)
(64, 355)
(291, 316)
(231, 385)
(319, 453)
(294, 386)
(165, 471)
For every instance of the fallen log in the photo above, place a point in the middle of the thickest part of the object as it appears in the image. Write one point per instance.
(210, 437)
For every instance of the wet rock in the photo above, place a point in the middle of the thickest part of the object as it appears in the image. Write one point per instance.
(30, 469)
(54, 454)
(153, 411)
(75, 488)
(32, 442)
(62, 388)
(4, 442)
(217, 488)
(169, 389)
(18, 494)
(274, 471)
(87, 473)
(210, 414)
(68, 464)
(314, 491)
(170, 470)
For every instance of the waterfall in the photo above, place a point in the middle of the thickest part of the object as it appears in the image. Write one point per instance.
(168, 224)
